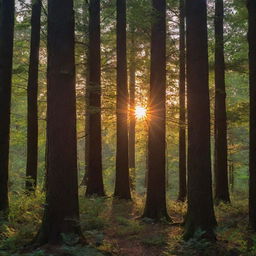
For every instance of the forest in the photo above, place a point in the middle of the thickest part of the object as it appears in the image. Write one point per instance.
(127, 128)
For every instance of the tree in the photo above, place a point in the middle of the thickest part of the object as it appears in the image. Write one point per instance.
(95, 180)
(221, 166)
(155, 207)
(200, 215)
(32, 117)
(132, 119)
(6, 54)
(252, 84)
(182, 98)
(122, 184)
(61, 213)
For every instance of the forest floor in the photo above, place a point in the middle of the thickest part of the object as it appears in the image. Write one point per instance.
(112, 227)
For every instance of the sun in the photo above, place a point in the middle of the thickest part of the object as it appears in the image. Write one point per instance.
(140, 112)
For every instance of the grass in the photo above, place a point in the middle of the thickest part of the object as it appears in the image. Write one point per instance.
(112, 228)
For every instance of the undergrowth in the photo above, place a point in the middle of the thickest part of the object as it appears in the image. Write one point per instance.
(111, 226)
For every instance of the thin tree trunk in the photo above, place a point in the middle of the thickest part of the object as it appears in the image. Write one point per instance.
(122, 183)
(6, 54)
(221, 167)
(61, 215)
(87, 86)
(32, 118)
(95, 179)
(252, 84)
(132, 111)
(155, 207)
(182, 98)
(200, 215)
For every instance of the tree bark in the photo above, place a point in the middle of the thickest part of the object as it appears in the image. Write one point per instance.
(95, 180)
(182, 98)
(6, 55)
(32, 117)
(221, 167)
(200, 215)
(155, 207)
(61, 215)
(122, 184)
(252, 84)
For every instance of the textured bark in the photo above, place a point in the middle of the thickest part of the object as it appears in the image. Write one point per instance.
(132, 118)
(200, 215)
(252, 84)
(122, 184)
(155, 207)
(221, 165)
(6, 54)
(61, 215)
(32, 118)
(182, 98)
(94, 175)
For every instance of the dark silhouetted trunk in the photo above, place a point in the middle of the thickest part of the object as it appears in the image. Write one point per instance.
(220, 165)
(252, 82)
(132, 119)
(32, 118)
(200, 215)
(122, 184)
(61, 216)
(182, 98)
(94, 175)
(6, 54)
(155, 207)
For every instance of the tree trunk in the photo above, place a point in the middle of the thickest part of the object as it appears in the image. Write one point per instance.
(94, 175)
(155, 207)
(61, 215)
(200, 215)
(252, 84)
(221, 168)
(132, 111)
(182, 98)
(6, 54)
(122, 184)
(32, 118)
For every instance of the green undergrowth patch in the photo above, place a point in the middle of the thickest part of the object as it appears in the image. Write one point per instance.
(24, 219)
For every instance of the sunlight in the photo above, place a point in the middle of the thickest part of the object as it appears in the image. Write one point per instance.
(140, 112)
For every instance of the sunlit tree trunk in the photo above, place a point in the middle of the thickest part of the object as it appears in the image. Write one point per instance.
(155, 207)
(94, 175)
(221, 166)
(132, 119)
(61, 215)
(122, 183)
(182, 98)
(200, 215)
(6, 54)
(32, 118)
(252, 83)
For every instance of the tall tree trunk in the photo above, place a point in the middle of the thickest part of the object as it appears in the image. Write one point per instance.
(85, 7)
(132, 119)
(221, 167)
(61, 215)
(32, 118)
(252, 84)
(122, 184)
(6, 54)
(95, 179)
(155, 207)
(200, 215)
(182, 98)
